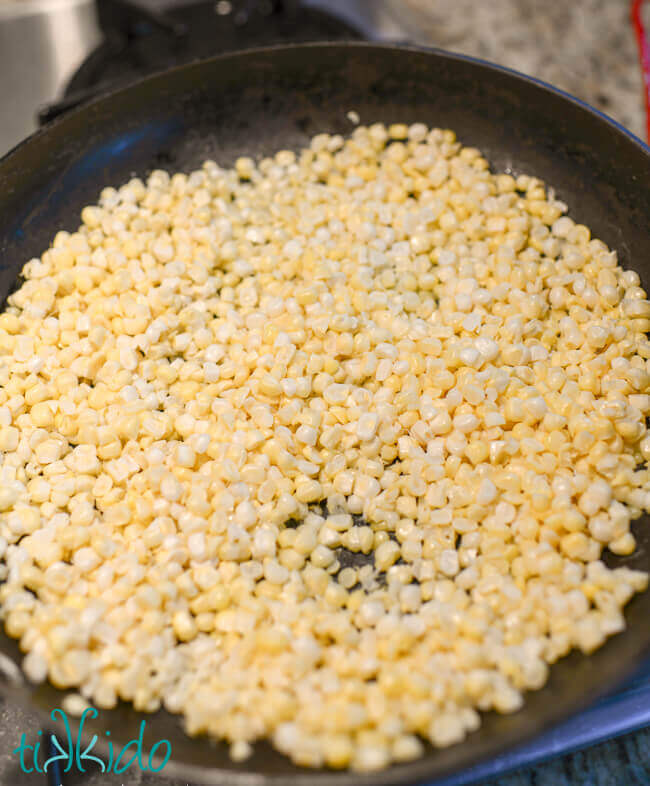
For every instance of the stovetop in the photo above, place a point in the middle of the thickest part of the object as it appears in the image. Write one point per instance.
(139, 40)
(55, 54)
(54, 51)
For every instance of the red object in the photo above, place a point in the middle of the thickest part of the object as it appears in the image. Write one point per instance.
(644, 55)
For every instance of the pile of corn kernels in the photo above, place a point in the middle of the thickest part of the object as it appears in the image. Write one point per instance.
(205, 388)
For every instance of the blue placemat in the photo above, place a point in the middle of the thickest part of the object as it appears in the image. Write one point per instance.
(624, 711)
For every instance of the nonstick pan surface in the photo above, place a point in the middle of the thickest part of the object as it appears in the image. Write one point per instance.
(255, 103)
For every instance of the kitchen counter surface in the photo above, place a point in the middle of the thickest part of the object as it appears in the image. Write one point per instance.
(586, 47)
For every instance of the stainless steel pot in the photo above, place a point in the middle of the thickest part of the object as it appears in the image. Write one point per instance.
(41, 43)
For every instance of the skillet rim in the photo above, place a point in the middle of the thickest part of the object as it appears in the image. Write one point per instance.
(419, 770)
(438, 51)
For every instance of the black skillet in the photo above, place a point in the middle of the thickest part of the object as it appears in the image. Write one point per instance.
(260, 101)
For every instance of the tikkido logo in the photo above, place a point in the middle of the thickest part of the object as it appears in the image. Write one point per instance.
(61, 758)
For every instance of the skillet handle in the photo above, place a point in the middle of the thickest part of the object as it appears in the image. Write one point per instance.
(49, 112)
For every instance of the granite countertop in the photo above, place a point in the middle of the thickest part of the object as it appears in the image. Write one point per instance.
(587, 48)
